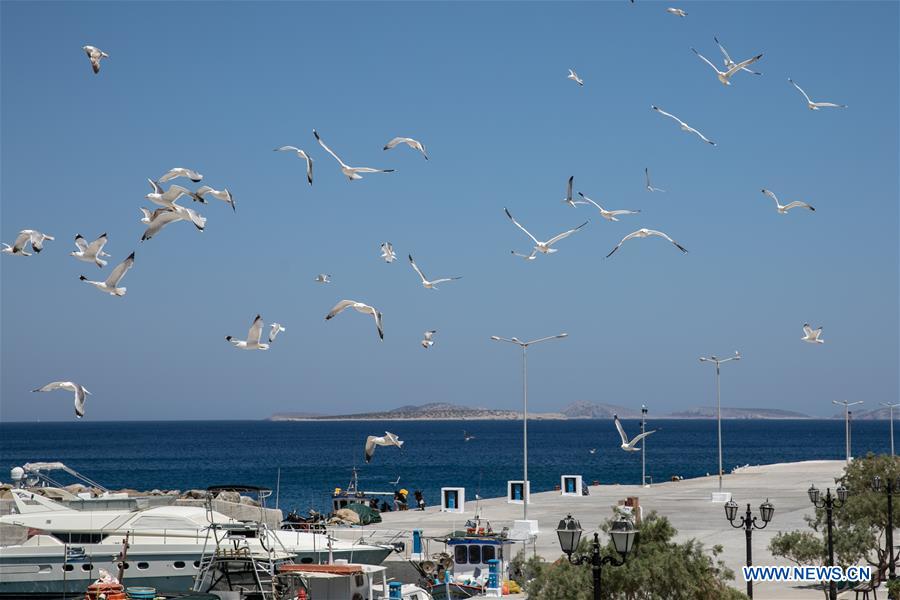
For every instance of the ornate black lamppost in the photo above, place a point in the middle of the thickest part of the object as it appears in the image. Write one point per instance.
(623, 535)
(748, 522)
(829, 503)
(891, 487)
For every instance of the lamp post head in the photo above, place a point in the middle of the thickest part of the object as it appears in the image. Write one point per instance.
(813, 492)
(569, 533)
(516, 340)
(562, 335)
(767, 511)
(703, 359)
(495, 338)
(623, 535)
(842, 493)
(737, 355)
(731, 508)
(876, 483)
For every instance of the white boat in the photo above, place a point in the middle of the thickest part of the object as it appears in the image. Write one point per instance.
(345, 581)
(65, 548)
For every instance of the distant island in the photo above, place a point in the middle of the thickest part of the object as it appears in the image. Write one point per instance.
(442, 411)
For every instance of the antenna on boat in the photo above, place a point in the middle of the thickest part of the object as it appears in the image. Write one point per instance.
(277, 487)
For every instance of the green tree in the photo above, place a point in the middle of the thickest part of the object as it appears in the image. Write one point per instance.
(656, 569)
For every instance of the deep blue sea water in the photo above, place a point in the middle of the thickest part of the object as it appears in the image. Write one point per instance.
(316, 457)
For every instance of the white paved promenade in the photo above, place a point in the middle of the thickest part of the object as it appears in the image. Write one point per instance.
(686, 503)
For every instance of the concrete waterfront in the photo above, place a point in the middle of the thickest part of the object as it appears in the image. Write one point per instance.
(686, 503)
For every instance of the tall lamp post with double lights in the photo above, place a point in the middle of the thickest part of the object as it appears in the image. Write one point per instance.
(719, 361)
(891, 407)
(829, 503)
(748, 522)
(623, 536)
(890, 487)
(846, 406)
(644, 445)
(524, 346)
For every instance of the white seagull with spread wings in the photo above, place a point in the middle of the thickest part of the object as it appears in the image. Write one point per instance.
(163, 216)
(387, 252)
(95, 54)
(677, 12)
(110, 286)
(350, 172)
(649, 187)
(629, 445)
(684, 126)
(358, 307)
(815, 105)
(812, 336)
(414, 144)
(609, 215)
(181, 172)
(643, 233)
(276, 328)
(388, 439)
(574, 77)
(429, 285)
(90, 252)
(725, 76)
(69, 386)
(167, 197)
(252, 341)
(27, 236)
(223, 195)
(304, 156)
(730, 63)
(428, 339)
(783, 208)
(539, 246)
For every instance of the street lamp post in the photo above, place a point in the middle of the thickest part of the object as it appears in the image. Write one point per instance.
(891, 406)
(623, 536)
(891, 487)
(644, 445)
(717, 362)
(846, 406)
(829, 503)
(524, 346)
(748, 522)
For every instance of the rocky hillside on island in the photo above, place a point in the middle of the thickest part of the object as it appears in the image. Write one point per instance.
(434, 410)
(591, 410)
(709, 412)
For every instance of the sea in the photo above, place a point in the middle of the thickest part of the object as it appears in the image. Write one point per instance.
(306, 460)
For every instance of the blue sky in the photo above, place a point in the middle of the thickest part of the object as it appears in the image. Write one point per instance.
(217, 86)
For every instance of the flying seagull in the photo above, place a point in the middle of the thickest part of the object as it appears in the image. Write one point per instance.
(815, 105)
(350, 172)
(629, 446)
(323, 278)
(467, 436)
(643, 233)
(725, 76)
(414, 144)
(69, 386)
(165, 215)
(95, 54)
(110, 286)
(181, 172)
(27, 236)
(684, 126)
(276, 328)
(303, 155)
(358, 307)
(568, 199)
(252, 341)
(676, 11)
(574, 77)
(428, 340)
(812, 336)
(387, 252)
(650, 188)
(592, 450)
(531, 256)
(539, 246)
(223, 195)
(90, 252)
(609, 215)
(730, 63)
(388, 439)
(783, 208)
(166, 197)
(429, 285)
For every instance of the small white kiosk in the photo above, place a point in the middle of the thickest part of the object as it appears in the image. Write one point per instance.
(453, 499)
(571, 485)
(518, 492)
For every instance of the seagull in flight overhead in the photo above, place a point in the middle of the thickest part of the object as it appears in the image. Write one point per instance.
(574, 77)
(812, 336)
(684, 126)
(725, 76)
(568, 199)
(676, 11)
(110, 286)
(387, 252)
(223, 195)
(276, 328)
(323, 278)
(181, 172)
(163, 216)
(643, 233)
(388, 439)
(428, 340)
(358, 307)
(414, 144)
(783, 208)
(69, 386)
(252, 341)
(167, 197)
(95, 54)
(629, 446)
(303, 155)
(27, 236)
(815, 105)
(90, 252)
(539, 246)
(650, 188)
(609, 215)
(429, 285)
(350, 172)
(730, 63)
